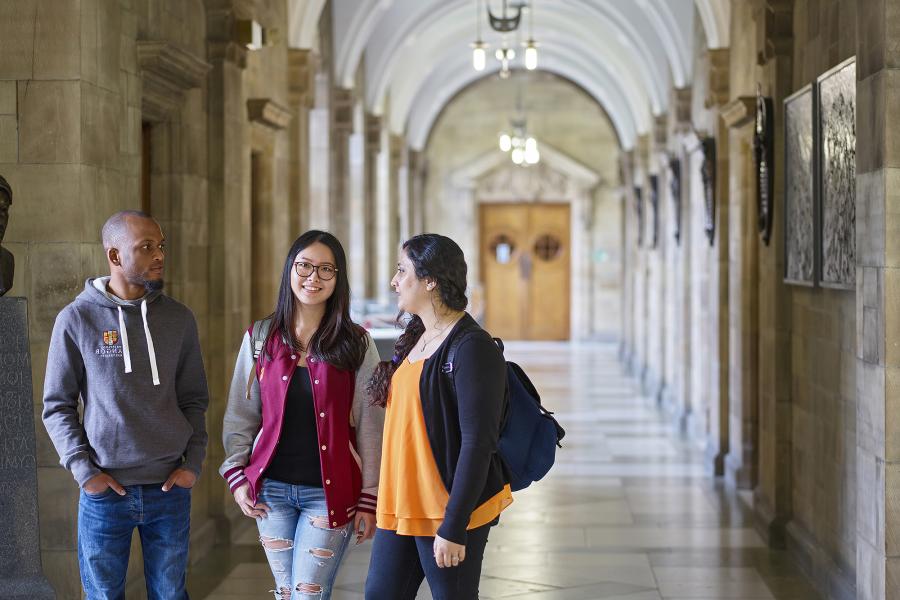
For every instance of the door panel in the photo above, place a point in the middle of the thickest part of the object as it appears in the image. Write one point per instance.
(525, 265)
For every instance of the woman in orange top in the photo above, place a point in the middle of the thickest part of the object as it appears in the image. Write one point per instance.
(442, 483)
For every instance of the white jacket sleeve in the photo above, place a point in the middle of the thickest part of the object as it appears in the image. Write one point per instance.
(243, 418)
(368, 420)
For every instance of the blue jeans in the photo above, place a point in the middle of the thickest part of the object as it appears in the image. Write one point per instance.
(400, 562)
(304, 553)
(106, 522)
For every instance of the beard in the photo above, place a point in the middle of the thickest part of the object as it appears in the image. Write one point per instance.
(149, 285)
(153, 285)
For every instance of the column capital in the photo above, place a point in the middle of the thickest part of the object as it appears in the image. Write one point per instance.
(342, 109)
(739, 112)
(301, 77)
(221, 16)
(774, 30)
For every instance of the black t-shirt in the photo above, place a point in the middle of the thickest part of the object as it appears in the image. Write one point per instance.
(296, 459)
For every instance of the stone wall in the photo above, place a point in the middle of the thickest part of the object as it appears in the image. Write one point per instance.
(823, 347)
(73, 109)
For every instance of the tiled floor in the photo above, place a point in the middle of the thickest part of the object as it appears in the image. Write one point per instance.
(626, 514)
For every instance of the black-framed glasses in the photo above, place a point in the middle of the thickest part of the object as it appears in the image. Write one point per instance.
(305, 269)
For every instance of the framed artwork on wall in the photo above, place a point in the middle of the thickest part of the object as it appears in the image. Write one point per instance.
(836, 108)
(675, 189)
(708, 175)
(799, 192)
(654, 208)
(639, 212)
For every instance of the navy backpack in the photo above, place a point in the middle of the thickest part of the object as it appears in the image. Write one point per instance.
(529, 434)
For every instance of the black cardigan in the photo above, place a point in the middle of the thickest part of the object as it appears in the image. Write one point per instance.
(464, 426)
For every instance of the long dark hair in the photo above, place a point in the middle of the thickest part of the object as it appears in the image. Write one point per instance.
(439, 258)
(338, 341)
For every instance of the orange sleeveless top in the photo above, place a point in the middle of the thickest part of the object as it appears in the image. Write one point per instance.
(412, 497)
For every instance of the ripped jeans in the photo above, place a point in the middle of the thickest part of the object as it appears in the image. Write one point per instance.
(303, 553)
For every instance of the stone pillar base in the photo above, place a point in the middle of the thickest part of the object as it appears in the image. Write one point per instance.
(738, 474)
(815, 562)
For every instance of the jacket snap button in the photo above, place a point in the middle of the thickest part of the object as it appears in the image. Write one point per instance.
(322, 414)
(317, 381)
(334, 523)
(293, 357)
(324, 447)
(332, 512)
(327, 482)
(284, 377)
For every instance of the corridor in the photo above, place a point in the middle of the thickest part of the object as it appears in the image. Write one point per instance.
(626, 514)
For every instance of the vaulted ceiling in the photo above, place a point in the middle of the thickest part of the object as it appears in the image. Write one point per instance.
(627, 54)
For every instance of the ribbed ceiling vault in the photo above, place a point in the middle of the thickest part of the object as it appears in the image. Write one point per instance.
(627, 54)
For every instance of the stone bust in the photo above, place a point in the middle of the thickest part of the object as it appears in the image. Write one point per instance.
(7, 262)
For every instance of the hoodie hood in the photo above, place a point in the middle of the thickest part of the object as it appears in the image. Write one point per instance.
(95, 292)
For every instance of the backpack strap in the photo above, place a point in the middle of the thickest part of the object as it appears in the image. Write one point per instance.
(258, 334)
(449, 366)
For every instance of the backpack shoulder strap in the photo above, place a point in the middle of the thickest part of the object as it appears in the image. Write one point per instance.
(449, 366)
(258, 334)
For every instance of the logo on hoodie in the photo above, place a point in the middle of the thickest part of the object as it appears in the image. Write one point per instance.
(109, 344)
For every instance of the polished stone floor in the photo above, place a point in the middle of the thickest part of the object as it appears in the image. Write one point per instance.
(627, 512)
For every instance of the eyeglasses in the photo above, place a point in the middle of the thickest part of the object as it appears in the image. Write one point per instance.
(326, 272)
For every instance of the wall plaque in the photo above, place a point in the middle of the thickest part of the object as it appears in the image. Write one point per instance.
(675, 189)
(654, 208)
(708, 175)
(763, 154)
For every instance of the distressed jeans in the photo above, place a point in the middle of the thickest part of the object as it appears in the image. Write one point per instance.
(106, 522)
(303, 552)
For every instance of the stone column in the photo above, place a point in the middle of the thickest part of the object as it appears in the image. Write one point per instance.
(358, 233)
(657, 247)
(372, 147)
(710, 385)
(738, 429)
(629, 249)
(301, 67)
(772, 497)
(418, 169)
(320, 179)
(229, 294)
(878, 301)
(341, 129)
(672, 230)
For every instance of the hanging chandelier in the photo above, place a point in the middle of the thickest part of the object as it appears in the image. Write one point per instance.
(505, 22)
(522, 148)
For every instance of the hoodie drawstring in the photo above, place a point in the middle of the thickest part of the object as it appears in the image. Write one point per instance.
(126, 353)
(153, 370)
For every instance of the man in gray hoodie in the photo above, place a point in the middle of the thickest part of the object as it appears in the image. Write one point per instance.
(131, 356)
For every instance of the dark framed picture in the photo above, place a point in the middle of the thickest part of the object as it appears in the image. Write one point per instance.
(708, 175)
(799, 193)
(675, 190)
(639, 212)
(654, 208)
(836, 107)
(764, 157)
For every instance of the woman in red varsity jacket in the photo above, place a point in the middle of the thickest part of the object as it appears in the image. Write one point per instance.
(302, 442)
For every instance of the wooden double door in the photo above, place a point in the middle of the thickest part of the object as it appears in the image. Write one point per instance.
(526, 270)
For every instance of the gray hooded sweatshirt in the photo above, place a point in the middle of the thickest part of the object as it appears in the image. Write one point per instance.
(136, 366)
